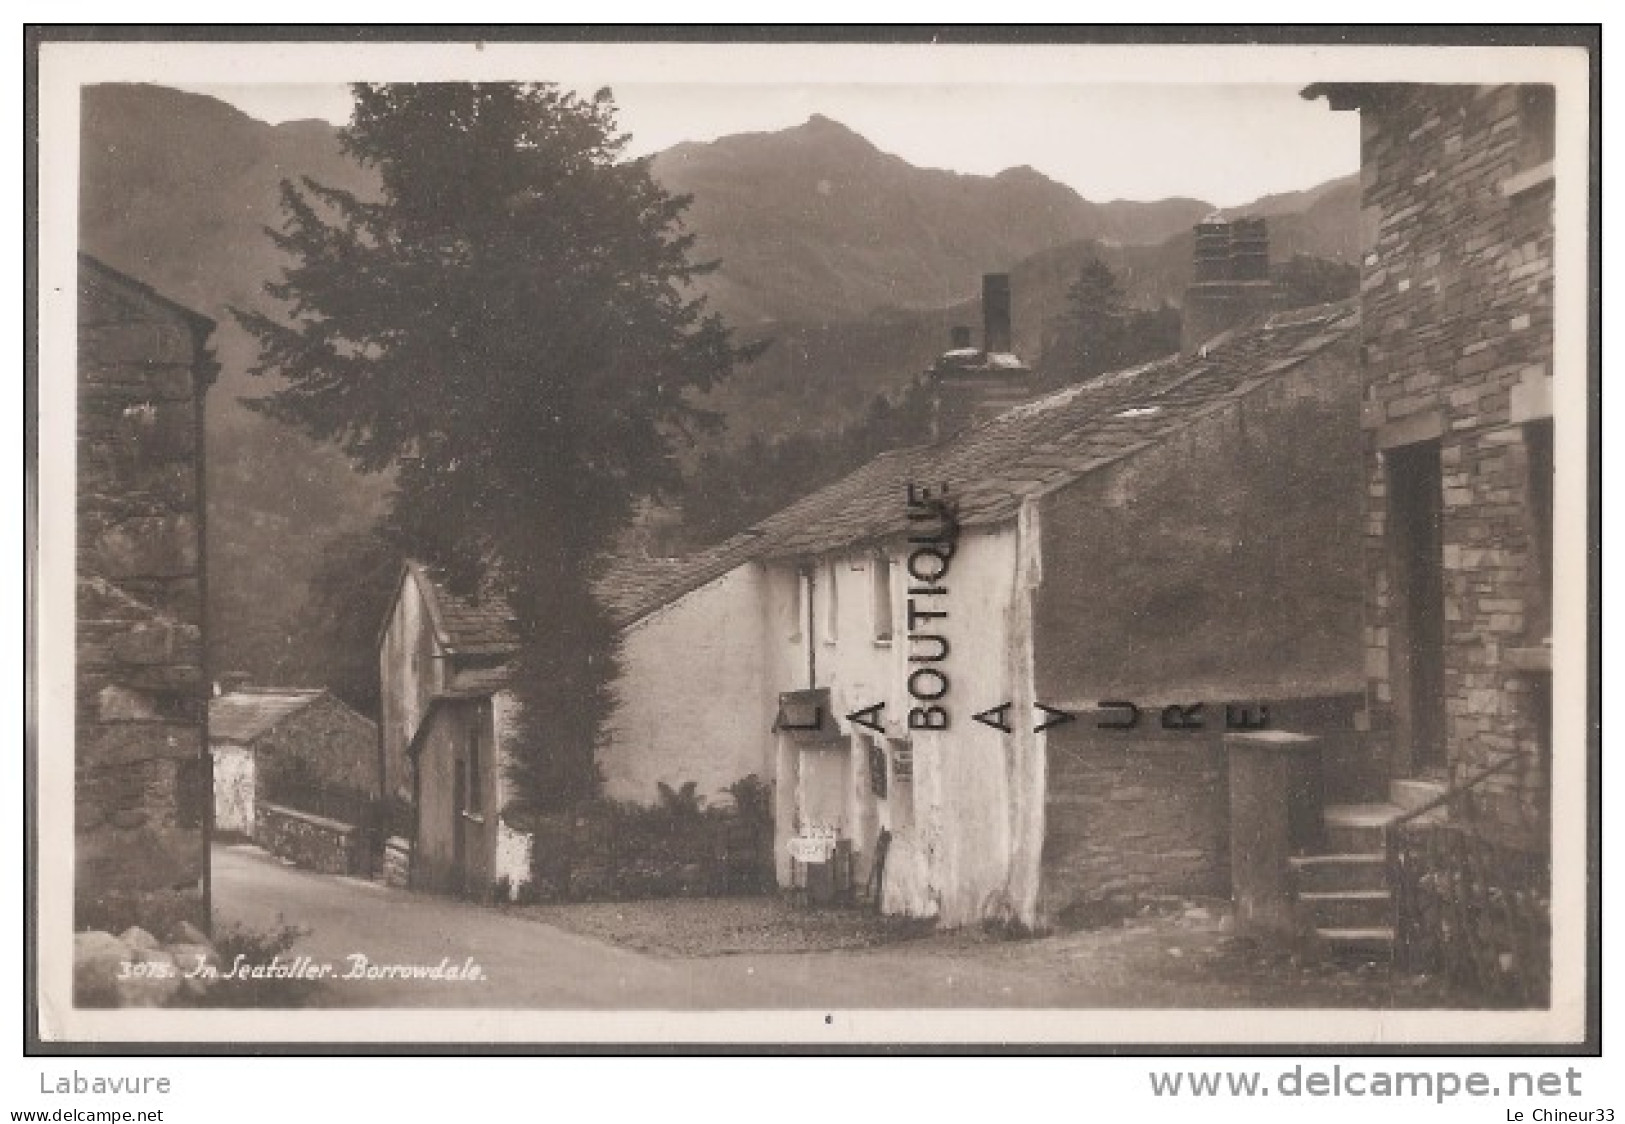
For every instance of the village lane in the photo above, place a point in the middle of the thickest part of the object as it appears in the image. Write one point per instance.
(531, 965)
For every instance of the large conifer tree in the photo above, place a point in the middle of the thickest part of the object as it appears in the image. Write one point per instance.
(510, 327)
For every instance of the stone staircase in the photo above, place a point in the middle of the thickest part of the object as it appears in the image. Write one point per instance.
(1346, 888)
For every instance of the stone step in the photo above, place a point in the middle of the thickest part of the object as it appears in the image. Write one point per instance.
(1358, 828)
(1410, 794)
(1349, 909)
(1320, 873)
(1374, 941)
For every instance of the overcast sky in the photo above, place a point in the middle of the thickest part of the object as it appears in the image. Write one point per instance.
(1227, 144)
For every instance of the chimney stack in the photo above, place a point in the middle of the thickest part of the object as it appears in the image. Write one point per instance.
(1249, 250)
(959, 338)
(1230, 279)
(971, 386)
(996, 313)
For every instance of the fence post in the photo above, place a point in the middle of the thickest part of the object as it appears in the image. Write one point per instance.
(1262, 764)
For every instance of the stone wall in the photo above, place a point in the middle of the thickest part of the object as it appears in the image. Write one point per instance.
(1133, 814)
(141, 754)
(1146, 812)
(313, 842)
(325, 743)
(1457, 286)
(397, 861)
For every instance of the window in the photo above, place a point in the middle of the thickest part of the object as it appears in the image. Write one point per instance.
(880, 598)
(832, 605)
(796, 613)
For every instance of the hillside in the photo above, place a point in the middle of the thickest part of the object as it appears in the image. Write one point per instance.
(814, 223)
(817, 373)
(854, 262)
(177, 189)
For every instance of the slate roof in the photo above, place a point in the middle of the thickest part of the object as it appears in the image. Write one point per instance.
(1050, 442)
(90, 265)
(245, 716)
(635, 585)
(465, 626)
(1029, 450)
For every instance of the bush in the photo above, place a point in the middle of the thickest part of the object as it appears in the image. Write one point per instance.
(256, 947)
(678, 847)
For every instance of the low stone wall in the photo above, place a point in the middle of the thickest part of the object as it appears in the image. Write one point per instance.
(314, 842)
(397, 861)
(1134, 815)
(621, 853)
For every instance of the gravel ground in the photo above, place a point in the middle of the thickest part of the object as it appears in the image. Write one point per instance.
(682, 927)
(1171, 954)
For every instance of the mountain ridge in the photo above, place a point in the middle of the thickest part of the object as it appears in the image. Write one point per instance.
(177, 189)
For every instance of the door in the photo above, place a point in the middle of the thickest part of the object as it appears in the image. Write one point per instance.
(459, 840)
(1416, 510)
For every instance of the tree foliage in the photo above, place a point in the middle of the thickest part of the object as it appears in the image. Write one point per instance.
(1101, 332)
(510, 327)
(1305, 280)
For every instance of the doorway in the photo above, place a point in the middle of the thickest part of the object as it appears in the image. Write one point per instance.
(1416, 511)
(459, 844)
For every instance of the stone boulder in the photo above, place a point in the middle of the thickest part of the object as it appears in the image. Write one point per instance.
(138, 938)
(151, 981)
(187, 958)
(98, 961)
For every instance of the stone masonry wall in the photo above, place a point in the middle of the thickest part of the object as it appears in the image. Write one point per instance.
(1457, 327)
(1132, 814)
(325, 743)
(141, 755)
(313, 842)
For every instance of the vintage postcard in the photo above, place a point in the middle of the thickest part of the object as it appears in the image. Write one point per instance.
(656, 542)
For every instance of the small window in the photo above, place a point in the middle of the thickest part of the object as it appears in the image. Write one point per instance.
(832, 604)
(796, 613)
(880, 598)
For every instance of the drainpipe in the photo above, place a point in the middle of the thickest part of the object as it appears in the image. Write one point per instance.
(812, 625)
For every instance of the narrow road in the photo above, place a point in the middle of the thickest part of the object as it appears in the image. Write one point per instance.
(531, 965)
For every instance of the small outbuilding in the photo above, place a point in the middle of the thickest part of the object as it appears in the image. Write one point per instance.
(284, 746)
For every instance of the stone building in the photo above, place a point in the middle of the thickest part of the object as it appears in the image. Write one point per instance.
(1457, 186)
(305, 749)
(1178, 533)
(1183, 532)
(141, 787)
(688, 704)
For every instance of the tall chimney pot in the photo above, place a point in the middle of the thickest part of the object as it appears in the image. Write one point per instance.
(996, 313)
(1230, 283)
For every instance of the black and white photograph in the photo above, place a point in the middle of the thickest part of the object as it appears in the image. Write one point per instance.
(813, 543)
